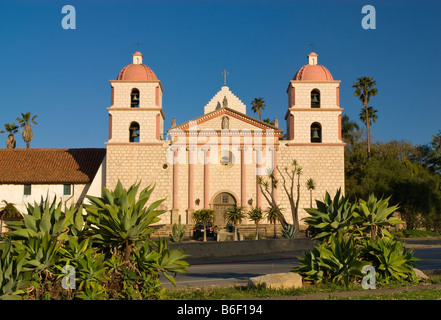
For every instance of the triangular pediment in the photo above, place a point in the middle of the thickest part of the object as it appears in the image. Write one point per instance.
(225, 98)
(234, 121)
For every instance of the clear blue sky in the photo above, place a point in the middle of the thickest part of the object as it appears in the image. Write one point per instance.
(63, 75)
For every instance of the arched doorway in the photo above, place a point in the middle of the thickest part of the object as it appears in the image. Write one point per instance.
(221, 203)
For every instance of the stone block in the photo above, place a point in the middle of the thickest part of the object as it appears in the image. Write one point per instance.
(285, 280)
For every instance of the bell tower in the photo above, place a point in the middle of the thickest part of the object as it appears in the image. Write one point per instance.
(314, 113)
(135, 112)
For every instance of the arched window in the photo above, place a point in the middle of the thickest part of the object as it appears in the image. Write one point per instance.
(315, 98)
(316, 132)
(134, 132)
(134, 98)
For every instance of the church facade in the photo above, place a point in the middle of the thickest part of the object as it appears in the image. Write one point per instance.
(215, 160)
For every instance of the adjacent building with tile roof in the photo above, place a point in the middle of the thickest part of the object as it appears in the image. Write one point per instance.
(26, 175)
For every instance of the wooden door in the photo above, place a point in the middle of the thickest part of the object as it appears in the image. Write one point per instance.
(220, 205)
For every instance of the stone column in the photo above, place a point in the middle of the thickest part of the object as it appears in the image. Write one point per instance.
(243, 177)
(175, 210)
(191, 158)
(206, 178)
(258, 174)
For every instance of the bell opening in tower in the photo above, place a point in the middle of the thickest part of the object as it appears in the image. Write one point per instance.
(134, 98)
(315, 98)
(316, 132)
(134, 132)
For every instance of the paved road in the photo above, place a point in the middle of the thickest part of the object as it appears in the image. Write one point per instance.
(227, 273)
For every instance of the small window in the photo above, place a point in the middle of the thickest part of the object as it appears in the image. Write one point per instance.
(224, 198)
(27, 190)
(67, 190)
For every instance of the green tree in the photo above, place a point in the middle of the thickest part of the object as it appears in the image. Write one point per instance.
(235, 215)
(433, 154)
(25, 124)
(364, 90)
(348, 128)
(10, 140)
(205, 216)
(258, 105)
(310, 185)
(256, 215)
(372, 114)
(274, 214)
(8, 213)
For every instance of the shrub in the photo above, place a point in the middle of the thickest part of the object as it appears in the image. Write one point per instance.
(366, 241)
(331, 216)
(178, 232)
(47, 239)
(290, 231)
(336, 261)
(390, 260)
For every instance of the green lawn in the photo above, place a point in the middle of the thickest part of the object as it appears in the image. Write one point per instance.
(425, 294)
(327, 291)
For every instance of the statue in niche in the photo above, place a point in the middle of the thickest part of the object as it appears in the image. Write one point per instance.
(225, 102)
(225, 123)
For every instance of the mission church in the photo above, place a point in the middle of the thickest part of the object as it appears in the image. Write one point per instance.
(213, 161)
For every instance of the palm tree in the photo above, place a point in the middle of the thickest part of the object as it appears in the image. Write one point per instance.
(25, 125)
(364, 89)
(257, 106)
(205, 216)
(256, 215)
(310, 185)
(273, 214)
(372, 114)
(234, 215)
(11, 128)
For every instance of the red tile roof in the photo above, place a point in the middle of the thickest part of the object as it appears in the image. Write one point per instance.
(35, 166)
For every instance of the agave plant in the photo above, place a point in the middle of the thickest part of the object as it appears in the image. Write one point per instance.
(337, 261)
(42, 253)
(155, 257)
(178, 232)
(12, 278)
(331, 216)
(92, 271)
(390, 259)
(376, 215)
(120, 219)
(44, 218)
(290, 231)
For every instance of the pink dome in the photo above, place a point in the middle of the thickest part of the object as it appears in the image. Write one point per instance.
(313, 71)
(137, 71)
